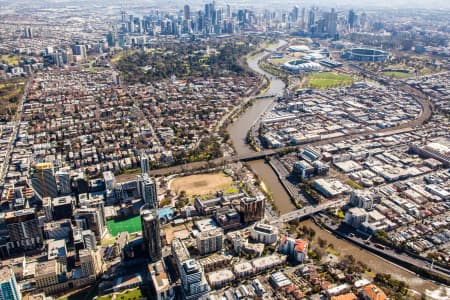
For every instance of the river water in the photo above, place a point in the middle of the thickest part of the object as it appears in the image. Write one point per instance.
(238, 132)
(268, 176)
(375, 263)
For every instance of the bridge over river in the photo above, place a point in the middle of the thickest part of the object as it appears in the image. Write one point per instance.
(307, 211)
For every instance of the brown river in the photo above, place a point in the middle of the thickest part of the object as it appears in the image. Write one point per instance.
(238, 131)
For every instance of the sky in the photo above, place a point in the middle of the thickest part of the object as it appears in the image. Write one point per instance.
(433, 4)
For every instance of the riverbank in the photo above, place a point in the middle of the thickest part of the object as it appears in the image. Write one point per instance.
(374, 262)
(238, 132)
(417, 266)
(266, 174)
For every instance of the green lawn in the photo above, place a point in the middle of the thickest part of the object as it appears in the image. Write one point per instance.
(332, 251)
(131, 225)
(231, 190)
(280, 61)
(134, 294)
(328, 80)
(397, 74)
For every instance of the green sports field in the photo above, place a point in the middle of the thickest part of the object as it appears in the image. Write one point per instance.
(328, 80)
(398, 74)
(131, 225)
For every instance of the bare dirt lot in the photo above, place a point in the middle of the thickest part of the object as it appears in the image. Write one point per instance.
(201, 184)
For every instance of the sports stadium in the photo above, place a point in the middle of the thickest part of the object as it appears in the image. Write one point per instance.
(365, 54)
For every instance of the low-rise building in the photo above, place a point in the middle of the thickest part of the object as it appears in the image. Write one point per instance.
(219, 279)
(279, 280)
(372, 292)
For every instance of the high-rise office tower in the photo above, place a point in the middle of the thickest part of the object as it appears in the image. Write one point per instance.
(80, 50)
(28, 33)
(228, 12)
(147, 190)
(62, 207)
(193, 280)
(302, 21)
(311, 19)
(88, 239)
(352, 17)
(23, 231)
(151, 232)
(90, 218)
(110, 180)
(9, 289)
(89, 263)
(187, 12)
(295, 13)
(210, 241)
(63, 182)
(145, 163)
(332, 23)
(252, 209)
(96, 202)
(43, 181)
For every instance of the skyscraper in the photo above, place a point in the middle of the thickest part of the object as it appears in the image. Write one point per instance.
(210, 241)
(187, 12)
(63, 181)
(147, 190)
(295, 13)
(302, 21)
(191, 272)
(332, 23)
(23, 230)
(228, 12)
(352, 17)
(252, 209)
(28, 32)
(43, 181)
(9, 289)
(91, 218)
(89, 263)
(193, 280)
(80, 50)
(145, 164)
(110, 180)
(311, 19)
(151, 232)
(62, 207)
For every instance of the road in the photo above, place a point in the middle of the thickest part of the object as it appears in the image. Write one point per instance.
(307, 211)
(362, 241)
(283, 175)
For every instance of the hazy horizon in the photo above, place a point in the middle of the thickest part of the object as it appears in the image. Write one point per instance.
(394, 4)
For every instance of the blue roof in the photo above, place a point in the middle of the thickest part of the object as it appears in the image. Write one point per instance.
(166, 212)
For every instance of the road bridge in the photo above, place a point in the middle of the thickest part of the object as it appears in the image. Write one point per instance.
(307, 211)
